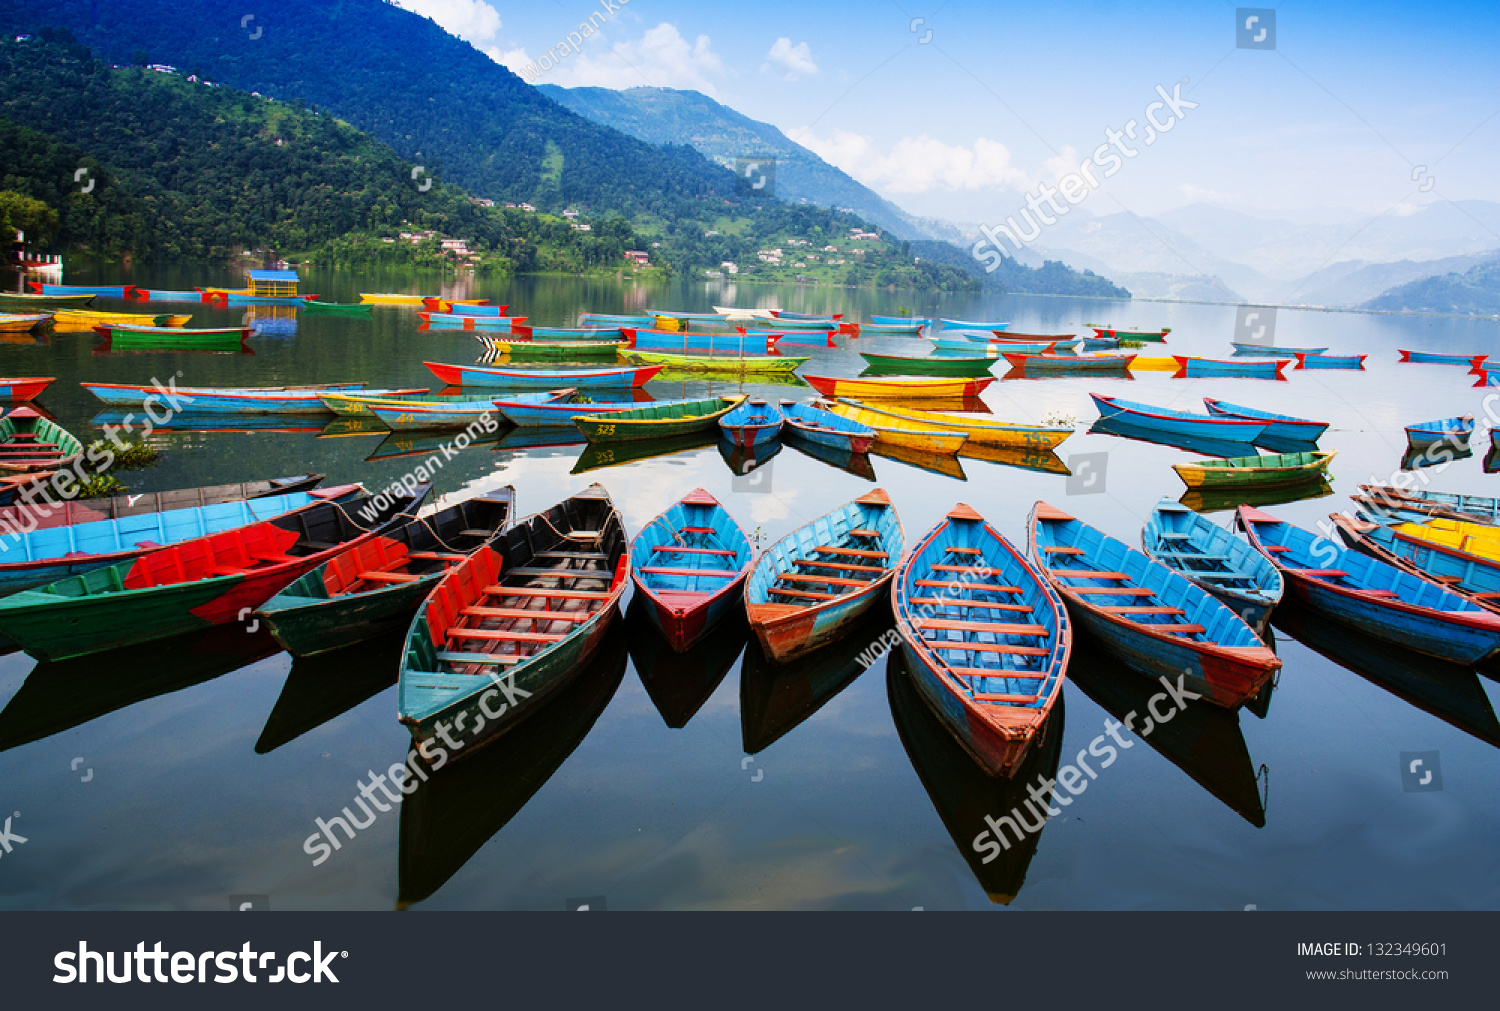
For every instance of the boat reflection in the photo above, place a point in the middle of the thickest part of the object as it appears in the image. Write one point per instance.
(325, 685)
(399, 444)
(1202, 740)
(1044, 460)
(679, 683)
(1452, 693)
(963, 794)
(527, 437)
(1217, 501)
(59, 695)
(857, 464)
(1191, 443)
(742, 460)
(187, 422)
(340, 427)
(456, 811)
(777, 698)
(945, 464)
(1437, 454)
(599, 456)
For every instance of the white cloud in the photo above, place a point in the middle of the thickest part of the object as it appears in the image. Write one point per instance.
(920, 164)
(660, 58)
(796, 60)
(474, 21)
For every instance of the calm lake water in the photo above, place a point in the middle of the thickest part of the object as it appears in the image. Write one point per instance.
(179, 774)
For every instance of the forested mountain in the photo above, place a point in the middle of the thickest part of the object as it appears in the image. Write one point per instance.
(1051, 278)
(1476, 291)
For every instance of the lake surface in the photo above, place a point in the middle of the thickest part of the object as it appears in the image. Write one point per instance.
(176, 775)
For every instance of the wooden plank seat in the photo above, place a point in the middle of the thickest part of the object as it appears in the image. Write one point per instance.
(986, 647)
(794, 577)
(451, 656)
(1379, 593)
(961, 569)
(1323, 573)
(993, 605)
(699, 530)
(388, 577)
(477, 611)
(692, 551)
(436, 556)
(1063, 551)
(999, 628)
(1277, 547)
(1220, 576)
(963, 551)
(948, 584)
(531, 572)
(987, 697)
(1178, 629)
(999, 672)
(1169, 536)
(808, 594)
(1086, 574)
(588, 556)
(1143, 610)
(502, 635)
(663, 570)
(278, 559)
(1192, 557)
(544, 592)
(864, 533)
(1115, 591)
(852, 552)
(840, 565)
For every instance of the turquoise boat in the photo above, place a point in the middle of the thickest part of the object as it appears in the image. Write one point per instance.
(1454, 430)
(753, 423)
(689, 564)
(918, 321)
(1205, 553)
(824, 428)
(969, 324)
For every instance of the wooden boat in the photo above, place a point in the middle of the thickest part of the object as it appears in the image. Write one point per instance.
(198, 400)
(348, 308)
(72, 512)
(543, 379)
(506, 324)
(812, 338)
(1210, 556)
(1272, 350)
(742, 364)
(513, 625)
(190, 585)
(1479, 539)
(465, 307)
(897, 388)
(91, 318)
(1377, 599)
(1011, 336)
(22, 322)
(1470, 508)
(1306, 361)
(1133, 335)
(891, 430)
(30, 443)
(794, 603)
(1169, 628)
(679, 342)
(108, 291)
(28, 388)
(375, 586)
(969, 324)
(162, 295)
(609, 319)
(965, 346)
(521, 329)
(1256, 471)
(1069, 363)
(914, 320)
(234, 298)
(412, 417)
(927, 365)
(528, 412)
(979, 429)
(893, 329)
(804, 317)
(1172, 422)
(357, 405)
(535, 350)
(1282, 427)
(753, 423)
(986, 639)
(823, 428)
(79, 536)
(656, 421)
(173, 334)
(730, 312)
(690, 564)
(391, 298)
(1454, 430)
(1431, 358)
(35, 299)
(1195, 368)
(1143, 363)
(1475, 576)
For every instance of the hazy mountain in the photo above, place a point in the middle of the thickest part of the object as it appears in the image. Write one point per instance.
(1354, 282)
(1476, 291)
(670, 116)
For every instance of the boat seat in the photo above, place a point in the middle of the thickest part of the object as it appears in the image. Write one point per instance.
(1178, 629)
(476, 533)
(278, 559)
(854, 552)
(535, 571)
(963, 551)
(662, 570)
(788, 592)
(999, 628)
(693, 551)
(991, 604)
(1192, 557)
(527, 591)
(1143, 610)
(1323, 573)
(1167, 536)
(962, 569)
(1218, 575)
(949, 584)
(864, 533)
(1276, 547)
(388, 577)
(1000, 672)
(699, 530)
(1379, 593)
(1063, 551)
(1087, 574)
(839, 565)
(450, 656)
(499, 635)
(794, 577)
(526, 613)
(985, 697)
(436, 556)
(987, 647)
(1115, 591)
(594, 556)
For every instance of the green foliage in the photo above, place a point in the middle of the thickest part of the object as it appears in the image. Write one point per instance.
(102, 486)
(19, 212)
(134, 456)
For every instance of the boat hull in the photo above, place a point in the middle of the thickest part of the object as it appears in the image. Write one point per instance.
(326, 623)
(892, 389)
(1438, 638)
(1231, 429)
(582, 379)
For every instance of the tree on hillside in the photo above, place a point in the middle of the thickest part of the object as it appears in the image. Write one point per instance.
(19, 213)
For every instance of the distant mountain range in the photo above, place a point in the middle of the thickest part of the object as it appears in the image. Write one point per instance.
(1476, 292)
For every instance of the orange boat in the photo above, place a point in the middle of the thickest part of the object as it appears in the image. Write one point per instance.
(898, 387)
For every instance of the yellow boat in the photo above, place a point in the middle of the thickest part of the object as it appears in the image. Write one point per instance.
(898, 387)
(17, 323)
(447, 305)
(734, 364)
(1144, 364)
(91, 318)
(977, 427)
(390, 298)
(1474, 538)
(894, 431)
(357, 405)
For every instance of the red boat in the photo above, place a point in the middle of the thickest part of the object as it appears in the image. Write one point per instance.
(690, 564)
(24, 389)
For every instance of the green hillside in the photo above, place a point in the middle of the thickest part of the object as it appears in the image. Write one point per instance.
(1475, 292)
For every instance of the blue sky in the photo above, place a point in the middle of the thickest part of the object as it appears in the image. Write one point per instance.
(1355, 100)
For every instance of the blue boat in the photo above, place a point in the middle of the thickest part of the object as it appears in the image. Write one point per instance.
(1371, 596)
(232, 298)
(911, 329)
(690, 563)
(1198, 368)
(688, 343)
(1280, 427)
(1122, 427)
(802, 317)
(809, 587)
(442, 319)
(567, 332)
(968, 346)
(1467, 508)
(753, 423)
(1202, 551)
(109, 290)
(987, 639)
(1475, 362)
(158, 295)
(528, 412)
(916, 321)
(1150, 618)
(817, 338)
(477, 311)
(1473, 576)
(826, 428)
(1273, 350)
(46, 555)
(1455, 430)
(969, 324)
(1306, 361)
(1171, 422)
(607, 319)
(543, 379)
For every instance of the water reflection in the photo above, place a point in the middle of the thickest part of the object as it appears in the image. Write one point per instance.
(601, 455)
(1193, 444)
(679, 683)
(743, 460)
(456, 811)
(857, 464)
(185, 422)
(960, 790)
(1044, 460)
(325, 685)
(1212, 501)
(400, 444)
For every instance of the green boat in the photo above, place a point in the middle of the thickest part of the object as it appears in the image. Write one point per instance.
(734, 364)
(29, 442)
(376, 586)
(1256, 471)
(532, 351)
(21, 298)
(925, 365)
(228, 338)
(657, 421)
(347, 308)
